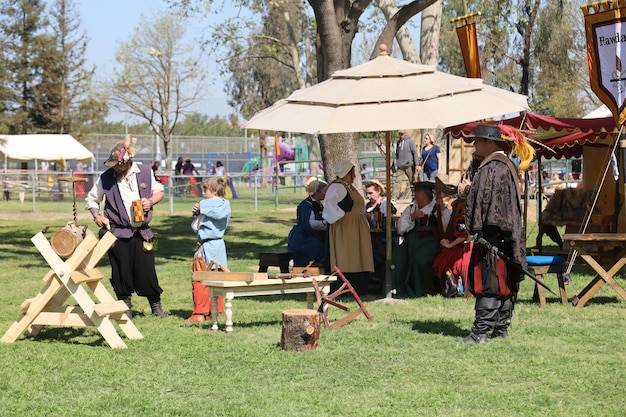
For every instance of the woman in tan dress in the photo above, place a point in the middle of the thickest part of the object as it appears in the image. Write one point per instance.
(349, 239)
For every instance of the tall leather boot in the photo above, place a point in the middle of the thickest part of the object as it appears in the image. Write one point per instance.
(485, 320)
(505, 313)
(128, 301)
(157, 308)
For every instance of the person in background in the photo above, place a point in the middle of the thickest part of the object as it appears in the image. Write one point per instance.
(376, 205)
(189, 168)
(473, 166)
(215, 211)
(431, 158)
(132, 258)
(577, 168)
(375, 213)
(155, 170)
(190, 183)
(407, 162)
(178, 171)
(178, 168)
(451, 263)
(349, 239)
(365, 171)
(493, 210)
(220, 169)
(307, 238)
(556, 181)
(413, 275)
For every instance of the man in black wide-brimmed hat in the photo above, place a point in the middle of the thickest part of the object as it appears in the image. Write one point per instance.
(493, 211)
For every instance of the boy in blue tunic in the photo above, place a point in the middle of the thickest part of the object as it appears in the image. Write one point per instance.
(214, 212)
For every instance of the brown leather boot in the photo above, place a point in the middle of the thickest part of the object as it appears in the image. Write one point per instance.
(195, 318)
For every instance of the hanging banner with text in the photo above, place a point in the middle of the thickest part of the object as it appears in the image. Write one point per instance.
(605, 27)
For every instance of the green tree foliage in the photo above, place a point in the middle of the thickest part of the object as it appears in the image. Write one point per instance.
(158, 77)
(44, 86)
(336, 25)
(530, 47)
(497, 41)
(64, 102)
(25, 43)
(196, 124)
(268, 55)
(561, 85)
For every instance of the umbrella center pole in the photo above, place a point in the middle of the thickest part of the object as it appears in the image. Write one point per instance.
(389, 291)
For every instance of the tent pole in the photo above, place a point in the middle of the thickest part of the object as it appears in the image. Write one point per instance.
(388, 284)
(622, 145)
(539, 200)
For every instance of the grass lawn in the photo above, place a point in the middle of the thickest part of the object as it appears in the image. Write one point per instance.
(558, 361)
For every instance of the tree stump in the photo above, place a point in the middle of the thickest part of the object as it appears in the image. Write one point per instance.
(301, 330)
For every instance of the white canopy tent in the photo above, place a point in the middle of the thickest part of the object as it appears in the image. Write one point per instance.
(47, 147)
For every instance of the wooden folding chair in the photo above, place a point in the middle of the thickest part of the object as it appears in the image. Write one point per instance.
(326, 300)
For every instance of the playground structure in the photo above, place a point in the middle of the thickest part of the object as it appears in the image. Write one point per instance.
(288, 161)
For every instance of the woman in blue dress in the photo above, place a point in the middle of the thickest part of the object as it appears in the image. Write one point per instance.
(307, 239)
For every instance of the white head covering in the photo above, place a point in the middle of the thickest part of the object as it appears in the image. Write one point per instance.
(315, 185)
(342, 168)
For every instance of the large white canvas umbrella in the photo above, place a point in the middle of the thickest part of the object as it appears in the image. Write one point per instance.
(387, 94)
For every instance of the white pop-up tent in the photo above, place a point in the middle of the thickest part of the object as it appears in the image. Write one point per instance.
(46, 147)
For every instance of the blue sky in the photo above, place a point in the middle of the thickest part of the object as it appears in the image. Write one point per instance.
(110, 22)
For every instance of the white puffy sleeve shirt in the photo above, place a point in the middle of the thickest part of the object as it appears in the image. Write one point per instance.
(405, 223)
(334, 194)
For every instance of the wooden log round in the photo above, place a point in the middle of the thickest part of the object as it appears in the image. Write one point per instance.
(65, 241)
(301, 330)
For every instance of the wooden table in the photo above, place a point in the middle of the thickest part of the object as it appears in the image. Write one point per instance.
(584, 244)
(273, 286)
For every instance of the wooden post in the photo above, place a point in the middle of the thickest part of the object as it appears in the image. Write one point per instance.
(301, 330)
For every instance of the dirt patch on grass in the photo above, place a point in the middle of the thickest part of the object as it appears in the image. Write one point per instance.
(18, 215)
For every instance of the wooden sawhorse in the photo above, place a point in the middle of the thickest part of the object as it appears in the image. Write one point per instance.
(67, 279)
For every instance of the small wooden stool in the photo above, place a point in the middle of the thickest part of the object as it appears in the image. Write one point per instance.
(541, 265)
(279, 259)
(301, 330)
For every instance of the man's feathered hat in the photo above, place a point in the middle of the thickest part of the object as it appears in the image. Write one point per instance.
(514, 137)
(123, 151)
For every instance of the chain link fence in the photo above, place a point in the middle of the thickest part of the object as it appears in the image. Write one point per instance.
(239, 155)
(283, 183)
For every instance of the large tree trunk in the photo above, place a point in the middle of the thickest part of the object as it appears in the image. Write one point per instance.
(429, 36)
(340, 146)
(337, 24)
(429, 54)
(336, 27)
(403, 36)
(396, 22)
